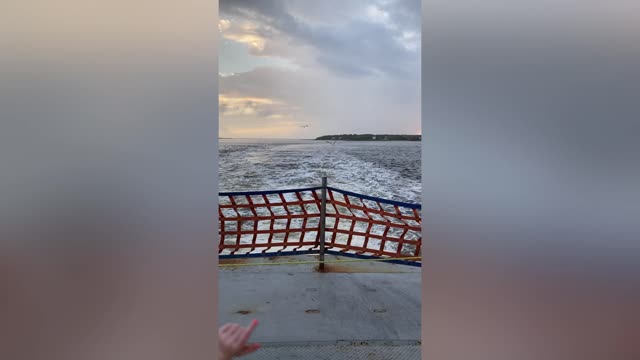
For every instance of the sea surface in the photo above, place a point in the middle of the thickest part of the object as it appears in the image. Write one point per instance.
(389, 170)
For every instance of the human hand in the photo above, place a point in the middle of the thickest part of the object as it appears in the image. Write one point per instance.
(232, 340)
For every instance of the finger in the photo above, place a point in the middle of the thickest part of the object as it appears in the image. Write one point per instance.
(234, 330)
(248, 331)
(252, 326)
(231, 333)
(225, 328)
(239, 336)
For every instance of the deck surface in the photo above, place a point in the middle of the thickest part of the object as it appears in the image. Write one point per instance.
(362, 308)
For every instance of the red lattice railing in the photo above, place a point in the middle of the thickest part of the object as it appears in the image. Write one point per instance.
(371, 226)
(289, 220)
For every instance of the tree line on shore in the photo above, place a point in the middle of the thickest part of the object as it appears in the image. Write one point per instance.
(371, 137)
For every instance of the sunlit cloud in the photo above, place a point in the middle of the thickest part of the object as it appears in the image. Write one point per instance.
(254, 100)
(232, 106)
(282, 128)
(224, 24)
(246, 116)
(244, 33)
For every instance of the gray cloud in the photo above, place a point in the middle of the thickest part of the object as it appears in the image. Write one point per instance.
(350, 66)
(352, 48)
(343, 68)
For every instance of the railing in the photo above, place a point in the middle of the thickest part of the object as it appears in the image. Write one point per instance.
(289, 221)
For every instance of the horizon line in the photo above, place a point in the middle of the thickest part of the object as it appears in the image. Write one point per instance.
(274, 138)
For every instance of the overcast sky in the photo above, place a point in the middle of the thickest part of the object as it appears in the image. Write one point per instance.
(338, 66)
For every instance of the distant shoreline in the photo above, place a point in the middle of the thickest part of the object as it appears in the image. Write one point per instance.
(370, 137)
(347, 137)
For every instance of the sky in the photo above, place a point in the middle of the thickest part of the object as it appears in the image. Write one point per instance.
(338, 66)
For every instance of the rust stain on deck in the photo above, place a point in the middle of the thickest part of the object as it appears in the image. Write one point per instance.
(249, 260)
(234, 261)
(358, 343)
(243, 312)
(346, 267)
(350, 268)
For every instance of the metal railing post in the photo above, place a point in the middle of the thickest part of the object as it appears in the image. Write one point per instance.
(323, 212)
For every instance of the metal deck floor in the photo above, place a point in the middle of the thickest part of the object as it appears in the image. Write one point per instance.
(337, 352)
(304, 314)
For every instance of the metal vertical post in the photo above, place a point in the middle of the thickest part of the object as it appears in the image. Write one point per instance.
(323, 212)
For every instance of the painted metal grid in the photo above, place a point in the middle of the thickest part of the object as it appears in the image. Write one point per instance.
(289, 221)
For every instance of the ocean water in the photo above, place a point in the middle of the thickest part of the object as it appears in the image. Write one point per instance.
(389, 170)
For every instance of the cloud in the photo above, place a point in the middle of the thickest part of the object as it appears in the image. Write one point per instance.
(280, 128)
(224, 24)
(259, 106)
(377, 39)
(331, 104)
(379, 16)
(344, 68)
(410, 40)
(246, 33)
(241, 116)
(348, 67)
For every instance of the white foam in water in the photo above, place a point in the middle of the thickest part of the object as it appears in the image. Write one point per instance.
(388, 170)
